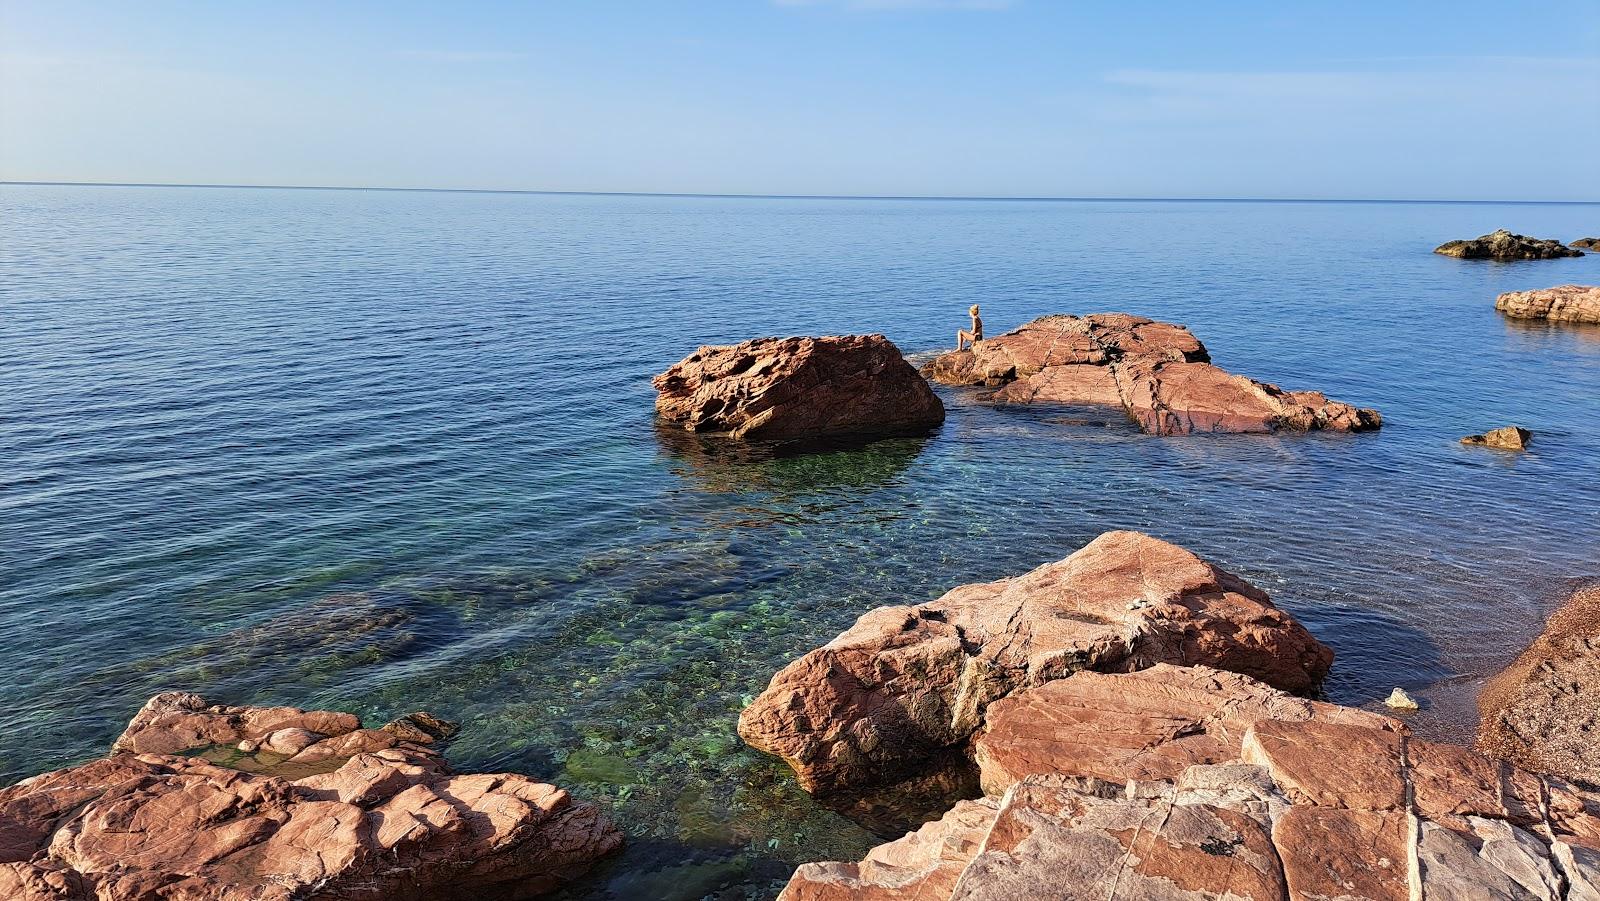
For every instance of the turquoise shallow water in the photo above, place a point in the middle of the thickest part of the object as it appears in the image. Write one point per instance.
(390, 451)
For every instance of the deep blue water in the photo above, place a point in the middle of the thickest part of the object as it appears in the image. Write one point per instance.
(389, 451)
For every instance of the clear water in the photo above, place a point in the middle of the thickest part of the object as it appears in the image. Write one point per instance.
(394, 451)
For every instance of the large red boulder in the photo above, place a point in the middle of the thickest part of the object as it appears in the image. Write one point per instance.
(1543, 711)
(1176, 784)
(907, 682)
(202, 803)
(796, 388)
(1158, 372)
(1564, 303)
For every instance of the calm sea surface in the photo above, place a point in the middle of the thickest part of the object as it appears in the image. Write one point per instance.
(394, 451)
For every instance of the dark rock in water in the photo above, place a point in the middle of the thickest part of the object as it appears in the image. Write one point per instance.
(1564, 303)
(1586, 243)
(1543, 711)
(906, 683)
(1159, 373)
(1185, 783)
(798, 388)
(1505, 246)
(1506, 438)
(280, 804)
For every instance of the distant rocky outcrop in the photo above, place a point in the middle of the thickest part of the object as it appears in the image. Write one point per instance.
(1505, 438)
(1564, 303)
(798, 388)
(1158, 372)
(1586, 243)
(1543, 711)
(1180, 784)
(1506, 246)
(908, 682)
(280, 804)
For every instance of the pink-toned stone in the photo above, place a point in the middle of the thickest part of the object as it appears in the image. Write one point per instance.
(1365, 774)
(395, 824)
(1340, 854)
(906, 682)
(1158, 372)
(794, 388)
(1564, 303)
(924, 863)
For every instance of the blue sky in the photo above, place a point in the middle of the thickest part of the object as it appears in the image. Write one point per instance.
(1465, 99)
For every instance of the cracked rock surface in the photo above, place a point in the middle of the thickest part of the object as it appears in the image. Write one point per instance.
(1210, 786)
(1563, 303)
(1159, 373)
(214, 803)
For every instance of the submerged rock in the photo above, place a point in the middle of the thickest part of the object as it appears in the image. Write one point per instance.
(1399, 700)
(280, 804)
(1543, 711)
(1564, 303)
(798, 388)
(1174, 783)
(906, 682)
(1504, 245)
(1505, 438)
(1158, 372)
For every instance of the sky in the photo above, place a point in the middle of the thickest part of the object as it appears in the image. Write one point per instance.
(1396, 99)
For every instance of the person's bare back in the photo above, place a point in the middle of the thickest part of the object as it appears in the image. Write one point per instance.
(963, 336)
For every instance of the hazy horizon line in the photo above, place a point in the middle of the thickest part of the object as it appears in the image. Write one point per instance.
(776, 196)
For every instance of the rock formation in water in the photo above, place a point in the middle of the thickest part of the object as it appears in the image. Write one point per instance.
(1565, 303)
(1505, 246)
(1158, 372)
(310, 807)
(1586, 244)
(907, 682)
(798, 388)
(1184, 784)
(1543, 711)
(1504, 438)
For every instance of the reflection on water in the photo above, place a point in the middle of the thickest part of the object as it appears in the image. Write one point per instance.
(384, 453)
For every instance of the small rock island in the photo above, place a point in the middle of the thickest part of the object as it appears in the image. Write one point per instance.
(1564, 303)
(1158, 372)
(1505, 246)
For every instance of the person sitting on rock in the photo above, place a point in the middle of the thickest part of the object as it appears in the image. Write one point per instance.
(976, 335)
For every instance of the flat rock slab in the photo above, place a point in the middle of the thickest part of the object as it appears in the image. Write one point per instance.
(379, 816)
(1159, 373)
(797, 388)
(1505, 246)
(905, 683)
(1563, 303)
(1215, 786)
(1543, 711)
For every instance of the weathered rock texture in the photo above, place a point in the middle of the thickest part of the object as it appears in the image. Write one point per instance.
(905, 682)
(1504, 438)
(1586, 244)
(1505, 246)
(1211, 786)
(1565, 303)
(1158, 372)
(311, 807)
(1543, 711)
(795, 388)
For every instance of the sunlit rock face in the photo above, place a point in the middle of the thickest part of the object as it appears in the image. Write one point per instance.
(1506, 246)
(798, 388)
(1564, 303)
(276, 803)
(1158, 372)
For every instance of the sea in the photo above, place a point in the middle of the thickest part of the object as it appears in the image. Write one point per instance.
(385, 451)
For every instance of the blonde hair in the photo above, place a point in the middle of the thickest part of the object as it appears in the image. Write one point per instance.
(974, 310)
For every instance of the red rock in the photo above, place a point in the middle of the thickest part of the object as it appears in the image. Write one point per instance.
(1158, 372)
(1148, 725)
(1349, 855)
(1541, 712)
(793, 388)
(923, 864)
(1564, 303)
(905, 682)
(392, 822)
